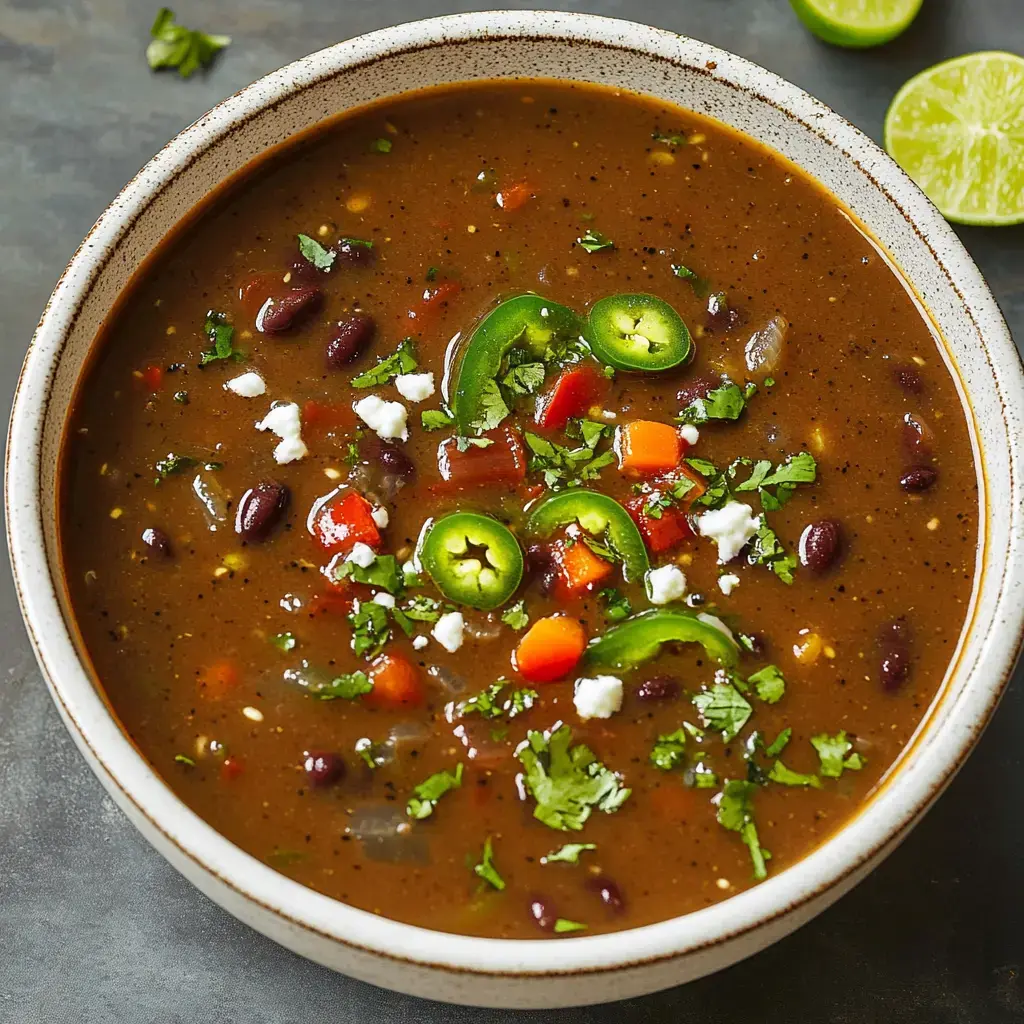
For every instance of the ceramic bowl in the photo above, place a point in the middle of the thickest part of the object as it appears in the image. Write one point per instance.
(975, 344)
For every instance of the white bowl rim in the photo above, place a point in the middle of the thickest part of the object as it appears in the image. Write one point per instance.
(890, 814)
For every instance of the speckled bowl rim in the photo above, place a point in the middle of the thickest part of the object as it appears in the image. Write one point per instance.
(874, 831)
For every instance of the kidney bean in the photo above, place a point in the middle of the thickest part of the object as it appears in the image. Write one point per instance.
(894, 641)
(908, 378)
(323, 769)
(917, 436)
(919, 478)
(821, 543)
(347, 251)
(541, 565)
(658, 688)
(283, 313)
(543, 913)
(349, 340)
(720, 314)
(608, 891)
(697, 387)
(157, 541)
(301, 271)
(260, 509)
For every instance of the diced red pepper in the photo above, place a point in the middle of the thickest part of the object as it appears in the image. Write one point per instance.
(218, 679)
(396, 683)
(231, 767)
(431, 307)
(153, 378)
(345, 520)
(579, 569)
(515, 195)
(502, 462)
(572, 394)
(327, 416)
(663, 533)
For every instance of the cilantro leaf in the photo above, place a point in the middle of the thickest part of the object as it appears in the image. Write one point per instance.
(370, 628)
(221, 333)
(344, 687)
(185, 760)
(778, 744)
(669, 751)
(422, 608)
(564, 925)
(284, 641)
(312, 250)
(515, 616)
(704, 777)
(616, 605)
(380, 146)
(568, 854)
(833, 751)
(697, 283)
(724, 709)
(368, 751)
(768, 684)
(402, 360)
(568, 783)
(486, 869)
(488, 703)
(426, 795)
(786, 777)
(594, 241)
(174, 46)
(172, 464)
(565, 467)
(525, 378)
(736, 813)
(492, 408)
(436, 419)
(382, 572)
(797, 469)
(766, 549)
(673, 139)
(724, 403)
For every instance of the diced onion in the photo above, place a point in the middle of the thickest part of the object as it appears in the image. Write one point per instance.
(763, 351)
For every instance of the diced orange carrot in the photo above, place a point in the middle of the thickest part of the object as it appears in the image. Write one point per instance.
(396, 683)
(218, 679)
(550, 649)
(673, 801)
(513, 196)
(647, 446)
(579, 569)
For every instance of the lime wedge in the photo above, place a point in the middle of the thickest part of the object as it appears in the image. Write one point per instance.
(958, 130)
(856, 22)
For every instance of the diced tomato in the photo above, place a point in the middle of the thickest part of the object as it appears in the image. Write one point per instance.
(336, 601)
(396, 683)
(660, 534)
(646, 447)
(515, 195)
(327, 416)
(579, 569)
(254, 292)
(231, 767)
(550, 649)
(673, 801)
(218, 679)
(432, 306)
(345, 520)
(572, 394)
(152, 378)
(502, 462)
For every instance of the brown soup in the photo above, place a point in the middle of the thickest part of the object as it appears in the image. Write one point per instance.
(615, 588)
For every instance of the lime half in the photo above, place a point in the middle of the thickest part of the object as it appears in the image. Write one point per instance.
(958, 130)
(856, 22)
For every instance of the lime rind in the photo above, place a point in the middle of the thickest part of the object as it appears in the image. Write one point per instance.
(856, 23)
(957, 129)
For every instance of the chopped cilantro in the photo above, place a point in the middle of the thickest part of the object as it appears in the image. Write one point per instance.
(172, 464)
(380, 146)
(425, 796)
(382, 572)
(284, 641)
(185, 760)
(422, 608)
(778, 744)
(672, 139)
(567, 782)
(486, 869)
(525, 378)
(463, 444)
(616, 605)
(797, 469)
(768, 684)
(221, 333)
(599, 549)
(367, 750)
(436, 419)
(589, 432)
(355, 243)
(431, 274)
(594, 241)
(174, 46)
(833, 751)
(736, 813)
(669, 751)
(724, 403)
(489, 704)
(704, 777)
(492, 408)
(344, 687)
(568, 854)
(312, 250)
(769, 382)
(565, 467)
(697, 283)
(370, 628)
(351, 456)
(724, 709)
(402, 360)
(564, 925)
(181, 397)
(786, 777)
(768, 550)
(515, 616)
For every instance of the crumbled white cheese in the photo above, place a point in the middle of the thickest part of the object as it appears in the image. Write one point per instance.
(362, 555)
(383, 599)
(415, 387)
(666, 583)
(380, 516)
(409, 568)
(691, 435)
(419, 642)
(449, 631)
(714, 620)
(599, 697)
(283, 419)
(248, 385)
(387, 419)
(730, 527)
(728, 583)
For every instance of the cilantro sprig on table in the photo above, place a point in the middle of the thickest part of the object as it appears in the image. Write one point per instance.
(174, 46)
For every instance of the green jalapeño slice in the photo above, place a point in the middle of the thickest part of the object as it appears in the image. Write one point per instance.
(529, 320)
(638, 332)
(641, 638)
(473, 559)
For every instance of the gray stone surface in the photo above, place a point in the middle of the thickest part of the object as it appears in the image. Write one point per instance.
(94, 926)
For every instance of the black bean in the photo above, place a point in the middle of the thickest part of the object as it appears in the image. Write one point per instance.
(908, 378)
(894, 642)
(542, 566)
(323, 769)
(821, 544)
(395, 461)
(282, 314)
(349, 340)
(348, 250)
(697, 387)
(920, 478)
(301, 271)
(157, 541)
(260, 509)
(720, 314)
(608, 891)
(543, 913)
(658, 688)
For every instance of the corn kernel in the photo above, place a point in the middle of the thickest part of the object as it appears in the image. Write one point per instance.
(808, 650)
(357, 203)
(220, 571)
(116, 513)
(932, 524)
(661, 158)
(253, 714)
(697, 138)
(829, 652)
(819, 440)
(235, 561)
(324, 230)
(172, 330)
(918, 360)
